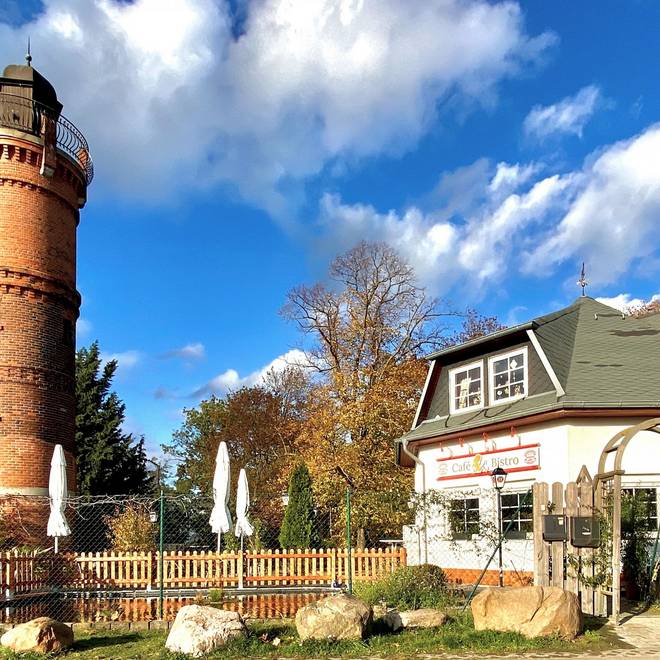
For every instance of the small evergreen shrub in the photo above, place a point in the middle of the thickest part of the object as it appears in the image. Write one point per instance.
(408, 588)
(299, 528)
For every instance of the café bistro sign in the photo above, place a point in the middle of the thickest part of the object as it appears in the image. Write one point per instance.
(512, 459)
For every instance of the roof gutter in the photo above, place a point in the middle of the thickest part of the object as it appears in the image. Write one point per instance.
(403, 443)
(541, 415)
(530, 325)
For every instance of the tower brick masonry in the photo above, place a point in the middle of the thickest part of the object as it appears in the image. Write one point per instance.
(44, 172)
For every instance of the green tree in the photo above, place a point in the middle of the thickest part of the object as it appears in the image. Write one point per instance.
(299, 525)
(259, 425)
(109, 461)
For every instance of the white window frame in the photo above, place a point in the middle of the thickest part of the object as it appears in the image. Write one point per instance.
(452, 386)
(491, 376)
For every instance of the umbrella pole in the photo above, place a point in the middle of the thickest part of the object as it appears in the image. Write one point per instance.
(57, 544)
(240, 584)
(219, 535)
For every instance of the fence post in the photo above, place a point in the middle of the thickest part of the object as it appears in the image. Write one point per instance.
(11, 578)
(349, 567)
(557, 547)
(541, 556)
(13, 568)
(161, 563)
(572, 575)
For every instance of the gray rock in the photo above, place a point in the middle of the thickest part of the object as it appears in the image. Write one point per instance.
(42, 635)
(423, 618)
(198, 630)
(336, 617)
(530, 611)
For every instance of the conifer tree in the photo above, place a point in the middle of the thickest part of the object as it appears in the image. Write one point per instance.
(299, 525)
(109, 461)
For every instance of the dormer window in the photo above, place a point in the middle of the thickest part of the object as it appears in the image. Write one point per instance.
(508, 376)
(466, 388)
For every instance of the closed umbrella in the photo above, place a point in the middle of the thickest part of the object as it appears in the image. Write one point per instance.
(57, 492)
(243, 526)
(220, 519)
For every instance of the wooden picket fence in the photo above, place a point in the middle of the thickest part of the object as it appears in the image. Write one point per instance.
(34, 572)
(559, 563)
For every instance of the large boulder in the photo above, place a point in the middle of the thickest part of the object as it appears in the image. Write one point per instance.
(424, 618)
(42, 635)
(199, 630)
(530, 611)
(335, 617)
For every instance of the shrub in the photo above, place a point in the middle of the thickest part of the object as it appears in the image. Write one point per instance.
(299, 524)
(215, 595)
(131, 530)
(408, 588)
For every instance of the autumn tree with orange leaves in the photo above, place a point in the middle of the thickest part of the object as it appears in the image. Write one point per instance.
(369, 328)
(366, 331)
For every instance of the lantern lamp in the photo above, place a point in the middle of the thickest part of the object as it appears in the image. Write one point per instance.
(499, 475)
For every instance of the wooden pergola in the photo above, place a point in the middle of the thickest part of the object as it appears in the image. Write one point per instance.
(617, 446)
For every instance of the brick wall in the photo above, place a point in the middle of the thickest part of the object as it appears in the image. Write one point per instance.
(39, 306)
(491, 577)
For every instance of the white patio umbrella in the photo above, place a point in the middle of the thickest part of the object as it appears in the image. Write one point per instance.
(243, 526)
(220, 519)
(57, 492)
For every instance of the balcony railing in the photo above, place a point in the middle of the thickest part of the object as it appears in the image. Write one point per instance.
(24, 114)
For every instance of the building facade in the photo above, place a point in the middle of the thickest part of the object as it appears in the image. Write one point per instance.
(45, 169)
(540, 400)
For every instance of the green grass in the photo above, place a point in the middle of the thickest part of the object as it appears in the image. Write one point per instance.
(457, 635)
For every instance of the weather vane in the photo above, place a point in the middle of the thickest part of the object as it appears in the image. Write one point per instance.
(583, 282)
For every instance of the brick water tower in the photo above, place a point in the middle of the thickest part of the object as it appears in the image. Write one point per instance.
(45, 169)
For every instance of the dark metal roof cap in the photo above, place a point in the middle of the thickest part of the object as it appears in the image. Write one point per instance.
(26, 76)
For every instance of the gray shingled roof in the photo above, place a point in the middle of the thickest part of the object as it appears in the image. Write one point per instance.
(601, 358)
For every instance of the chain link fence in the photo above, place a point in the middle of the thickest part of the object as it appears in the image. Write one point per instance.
(140, 558)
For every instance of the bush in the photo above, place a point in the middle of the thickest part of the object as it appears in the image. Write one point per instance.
(131, 530)
(408, 588)
(299, 524)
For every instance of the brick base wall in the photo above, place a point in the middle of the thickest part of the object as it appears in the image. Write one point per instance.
(490, 579)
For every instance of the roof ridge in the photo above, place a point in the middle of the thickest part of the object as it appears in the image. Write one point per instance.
(571, 362)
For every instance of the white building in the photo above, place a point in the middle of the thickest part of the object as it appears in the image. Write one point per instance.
(540, 399)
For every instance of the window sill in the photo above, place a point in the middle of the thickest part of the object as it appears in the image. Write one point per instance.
(462, 411)
(501, 402)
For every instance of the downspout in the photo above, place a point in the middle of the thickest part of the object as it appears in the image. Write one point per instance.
(420, 464)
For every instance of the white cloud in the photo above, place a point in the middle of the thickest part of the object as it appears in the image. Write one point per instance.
(568, 116)
(625, 302)
(169, 97)
(232, 380)
(470, 251)
(606, 213)
(612, 217)
(195, 351)
(126, 360)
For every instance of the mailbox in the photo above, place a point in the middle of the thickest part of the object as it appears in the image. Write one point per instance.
(555, 528)
(585, 532)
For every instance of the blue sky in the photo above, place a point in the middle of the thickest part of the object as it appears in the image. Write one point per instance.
(239, 146)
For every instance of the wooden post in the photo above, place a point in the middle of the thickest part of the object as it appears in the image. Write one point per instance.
(616, 549)
(11, 575)
(571, 509)
(558, 546)
(586, 555)
(541, 557)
